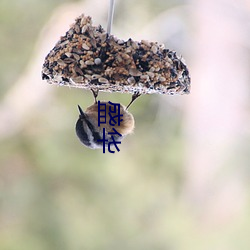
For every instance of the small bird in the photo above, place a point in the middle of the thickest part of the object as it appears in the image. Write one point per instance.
(90, 133)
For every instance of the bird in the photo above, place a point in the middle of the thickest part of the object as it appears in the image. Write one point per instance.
(94, 130)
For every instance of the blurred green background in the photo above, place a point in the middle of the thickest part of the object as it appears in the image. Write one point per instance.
(181, 181)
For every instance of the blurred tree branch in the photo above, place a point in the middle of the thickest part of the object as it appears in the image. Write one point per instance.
(217, 118)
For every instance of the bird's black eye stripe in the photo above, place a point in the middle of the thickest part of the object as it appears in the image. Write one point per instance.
(82, 135)
(95, 134)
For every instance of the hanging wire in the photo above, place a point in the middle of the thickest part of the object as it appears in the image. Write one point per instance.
(110, 15)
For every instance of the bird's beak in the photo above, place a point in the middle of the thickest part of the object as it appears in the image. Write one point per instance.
(82, 115)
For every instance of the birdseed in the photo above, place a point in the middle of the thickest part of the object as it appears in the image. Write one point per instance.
(87, 57)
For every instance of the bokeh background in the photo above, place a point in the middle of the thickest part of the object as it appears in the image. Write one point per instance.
(180, 182)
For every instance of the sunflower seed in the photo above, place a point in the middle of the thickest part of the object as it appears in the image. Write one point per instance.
(69, 60)
(134, 72)
(84, 29)
(68, 54)
(78, 70)
(131, 80)
(95, 76)
(103, 80)
(88, 62)
(77, 79)
(77, 57)
(144, 78)
(154, 49)
(77, 29)
(150, 74)
(145, 42)
(85, 46)
(61, 62)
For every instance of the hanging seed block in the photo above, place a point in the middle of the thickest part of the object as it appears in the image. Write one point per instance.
(87, 57)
